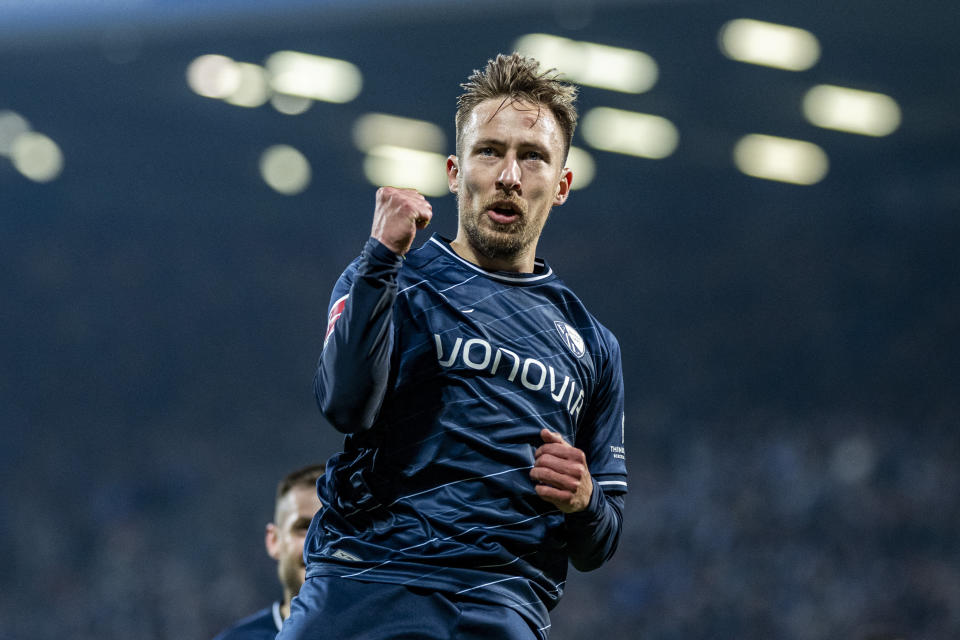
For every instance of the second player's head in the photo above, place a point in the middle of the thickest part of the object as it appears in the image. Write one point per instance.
(296, 504)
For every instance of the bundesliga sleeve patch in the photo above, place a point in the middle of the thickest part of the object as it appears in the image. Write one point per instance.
(335, 312)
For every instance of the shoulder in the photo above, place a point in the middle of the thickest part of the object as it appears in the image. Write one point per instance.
(257, 626)
(595, 331)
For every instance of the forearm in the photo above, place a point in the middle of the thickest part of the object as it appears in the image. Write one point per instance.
(594, 533)
(354, 367)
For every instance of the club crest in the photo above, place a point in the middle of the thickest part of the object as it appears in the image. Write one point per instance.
(571, 338)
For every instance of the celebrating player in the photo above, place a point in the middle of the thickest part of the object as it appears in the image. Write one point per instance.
(482, 402)
(296, 505)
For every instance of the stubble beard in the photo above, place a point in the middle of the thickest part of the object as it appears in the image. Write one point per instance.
(494, 240)
(291, 576)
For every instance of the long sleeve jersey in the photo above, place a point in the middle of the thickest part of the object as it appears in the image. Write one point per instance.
(443, 374)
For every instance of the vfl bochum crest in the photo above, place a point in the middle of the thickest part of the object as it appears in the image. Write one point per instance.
(571, 338)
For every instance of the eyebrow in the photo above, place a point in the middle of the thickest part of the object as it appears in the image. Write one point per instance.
(496, 142)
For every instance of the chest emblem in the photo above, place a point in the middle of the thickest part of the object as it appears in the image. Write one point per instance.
(571, 338)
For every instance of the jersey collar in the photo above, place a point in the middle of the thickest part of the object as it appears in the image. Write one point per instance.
(541, 270)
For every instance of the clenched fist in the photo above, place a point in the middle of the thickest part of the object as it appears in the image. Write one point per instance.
(561, 473)
(397, 216)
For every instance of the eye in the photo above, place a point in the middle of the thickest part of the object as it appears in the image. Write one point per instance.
(534, 155)
(486, 151)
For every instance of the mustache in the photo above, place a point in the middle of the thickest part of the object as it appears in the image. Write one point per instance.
(517, 205)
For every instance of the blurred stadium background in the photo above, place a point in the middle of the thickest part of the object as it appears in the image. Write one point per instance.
(182, 181)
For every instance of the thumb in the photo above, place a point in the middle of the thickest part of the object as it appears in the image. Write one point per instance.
(551, 436)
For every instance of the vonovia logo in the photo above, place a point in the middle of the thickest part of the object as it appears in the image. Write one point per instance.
(571, 338)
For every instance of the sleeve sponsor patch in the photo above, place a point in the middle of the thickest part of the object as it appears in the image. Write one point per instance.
(336, 310)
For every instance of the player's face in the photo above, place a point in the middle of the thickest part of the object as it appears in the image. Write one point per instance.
(508, 176)
(286, 535)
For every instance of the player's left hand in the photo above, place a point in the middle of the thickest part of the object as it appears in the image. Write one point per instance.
(561, 473)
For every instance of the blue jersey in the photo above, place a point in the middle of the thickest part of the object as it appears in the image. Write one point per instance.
(262, 625)
(443, 375)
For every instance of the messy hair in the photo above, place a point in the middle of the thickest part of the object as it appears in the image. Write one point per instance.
(515, 77)
(305, 477)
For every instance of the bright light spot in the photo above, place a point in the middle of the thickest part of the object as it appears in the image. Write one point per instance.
(378, 129)
(583, 167)
(631, 133)
(253, 89)
(853, 460)
(285, 169)
(768, 44)
(851, 110)
(214, 76)
(410, 168)
(595, 65)
(12, 126)
(780, 159)
(290, 105)
(316, 77)
(36, 156)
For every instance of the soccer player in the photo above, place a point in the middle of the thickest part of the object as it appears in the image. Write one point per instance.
(482, 402)
(296, 505)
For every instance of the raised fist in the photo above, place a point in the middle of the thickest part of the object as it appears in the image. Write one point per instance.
(398, 215)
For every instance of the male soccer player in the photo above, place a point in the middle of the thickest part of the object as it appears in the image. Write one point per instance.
(296, 505)
(483, 403)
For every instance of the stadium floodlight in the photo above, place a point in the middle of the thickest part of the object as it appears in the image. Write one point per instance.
(12, 126)
(769, 44)
(424, 171)
(36, 156)
(629, 132)
(591, 64)
(315, 77)
(213, 76)
(285, 169)
(252, 89)
(851, 110)
(780, 159)
(377, 129)
(583, 167)
(290, 105)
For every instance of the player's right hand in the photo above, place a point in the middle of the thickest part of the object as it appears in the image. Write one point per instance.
(398, 215)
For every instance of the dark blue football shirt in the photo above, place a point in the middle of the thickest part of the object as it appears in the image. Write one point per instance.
(443, 375)
(262, 625)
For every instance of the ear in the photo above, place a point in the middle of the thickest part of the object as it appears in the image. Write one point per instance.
(563, 188)
(272, 541)
(453, 172)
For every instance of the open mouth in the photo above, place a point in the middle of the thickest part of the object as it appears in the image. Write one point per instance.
(503, 212)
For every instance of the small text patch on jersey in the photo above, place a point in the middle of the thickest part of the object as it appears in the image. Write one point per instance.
(571, 338)
(335, 312)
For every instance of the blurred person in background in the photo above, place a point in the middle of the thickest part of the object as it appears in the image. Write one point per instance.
(296, 504)
(483, 403)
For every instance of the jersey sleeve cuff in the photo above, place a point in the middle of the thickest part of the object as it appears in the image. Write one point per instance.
(611, 483)
(380, 258)
(594, 508)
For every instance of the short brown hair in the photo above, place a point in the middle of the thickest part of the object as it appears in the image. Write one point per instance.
(304, 477)
(515, 77)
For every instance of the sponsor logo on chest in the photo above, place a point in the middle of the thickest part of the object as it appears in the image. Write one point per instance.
(529, 373)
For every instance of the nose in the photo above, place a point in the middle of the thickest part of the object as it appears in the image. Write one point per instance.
(509, 178)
